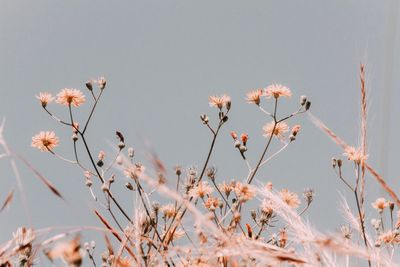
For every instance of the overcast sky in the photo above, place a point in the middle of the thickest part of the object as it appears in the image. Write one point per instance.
(162, 59)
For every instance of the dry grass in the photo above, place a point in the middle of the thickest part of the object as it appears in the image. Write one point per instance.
(202, 222)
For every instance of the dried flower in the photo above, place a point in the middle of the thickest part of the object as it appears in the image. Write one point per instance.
(346, 231)
(277, 90)
(168, 210)
(278, 130)
(290, 198)
(303, 100)
(101, 82)
(134, 171)
(267, 207)
(225, 188)
(45, 98)
(69, 97)
(254, 96)
(308, 195)
(380, 204)
(69, 251)
(45, 141)
(244, 192)
(23, 237)
(212, 203)
(355, 155)
(201, 190)
(219, 101)
(390, 237)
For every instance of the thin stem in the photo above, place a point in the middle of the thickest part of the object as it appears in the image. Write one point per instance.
(91, 112)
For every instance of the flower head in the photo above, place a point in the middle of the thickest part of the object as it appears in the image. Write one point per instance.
(219, 101)
(24, 237)
(277, 90)
(380, 204)
(290, 198)
(355, 155)
(45, 141)
(134, 171)
(45, 98)
(278, 130)
(244, 192)
(168, 210)
(254, 96)
(212, 203)
(69, 97)
(201, 190)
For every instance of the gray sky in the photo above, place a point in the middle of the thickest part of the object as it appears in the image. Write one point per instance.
(162, 59)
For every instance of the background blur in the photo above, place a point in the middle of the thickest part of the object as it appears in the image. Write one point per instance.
(162, 59)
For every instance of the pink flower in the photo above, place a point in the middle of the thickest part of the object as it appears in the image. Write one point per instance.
(219, 101)
(45, 141)
(45, 98)
(277, 90)
(254, 96)
(69, 97)
(278, 131)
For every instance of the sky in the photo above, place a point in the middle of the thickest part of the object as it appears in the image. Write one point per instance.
(163, 58)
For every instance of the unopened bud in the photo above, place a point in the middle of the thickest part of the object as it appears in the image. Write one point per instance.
(303, 100)
(102, 83)
(93, 244)
(112, 179)
(253, 214)
(105, 187)
(204, 118)
(119, 160)
(121, 145)
(89, 86)
(237, 144)
(339, 163)
(334, 162)
(234, 135)
(178, 170)
(131, 152)
(129, 186)
(308, 105)
(88, 182)
(242, 149)
(74, 137)
(86, 246)
(228, 105)
(292, 138)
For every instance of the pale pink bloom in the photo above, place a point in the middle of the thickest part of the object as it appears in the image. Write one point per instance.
(380, 204)
(355, 155)
(296, 129)
(254, 96)
(244, 192)
(69, 96)
(23, 237)
(219, 101)
(101, 82)
(45, 98)
(290, 198)
(45, 141)
(268, 186)
(177, 234)
(277, 90)
(201, 190)
(212, 203)
(390, 237)
(168, 210)
(278, 131)
(134, 171)
(267, 207)
(226, 188)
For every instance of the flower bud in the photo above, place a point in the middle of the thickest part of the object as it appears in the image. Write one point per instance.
(334, 162)
(129, 186)
(308, 105)
(242, 149)
(74, 137)
(204, 118)
(303, 100)
(121, 145)
(237, 144)
(89, 86)
(131, 152)
(339, 163)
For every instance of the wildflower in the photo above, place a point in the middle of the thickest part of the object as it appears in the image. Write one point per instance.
(308, 195)
(219, 101)
(303, 100)
(101, 82)
(346, 231)
(278, 130)
(69, 97)
(168, 210)
(355, 155)
(45, 141)
(376, 223)
(131, 152)
(201, 190)
(296, 129)
(290, 198)
(24, 237)
(212, 203)
(244, 137)
(277, 90)
(173, 235)
(380, 204)
(134, 171)
(45, 98)
(266, 207)
(244, 192)
(68, 251)
(254, 96)
(390, 237)
(268, 186)
(225, 188)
